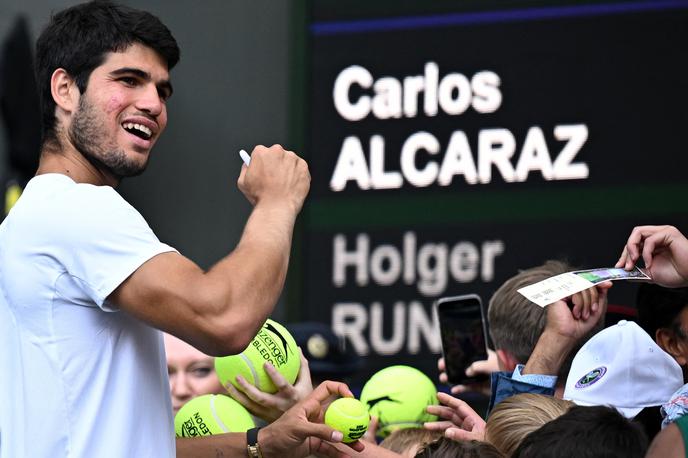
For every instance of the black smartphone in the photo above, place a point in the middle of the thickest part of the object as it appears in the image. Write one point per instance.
(464, 335)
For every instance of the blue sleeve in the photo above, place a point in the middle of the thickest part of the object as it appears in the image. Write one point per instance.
(504, 386)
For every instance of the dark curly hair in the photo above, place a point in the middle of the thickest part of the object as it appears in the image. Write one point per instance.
(78, 38)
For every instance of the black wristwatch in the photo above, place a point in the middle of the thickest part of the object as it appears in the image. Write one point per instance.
(252, 446)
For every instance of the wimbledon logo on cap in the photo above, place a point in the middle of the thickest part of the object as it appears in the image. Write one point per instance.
(591, 377)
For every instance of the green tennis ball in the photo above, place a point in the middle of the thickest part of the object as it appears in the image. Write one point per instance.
(349, 416)
(211, 414)
(273, 344)
(398, 396)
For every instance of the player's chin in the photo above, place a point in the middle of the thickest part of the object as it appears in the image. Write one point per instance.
(139, 157)
(130, 168)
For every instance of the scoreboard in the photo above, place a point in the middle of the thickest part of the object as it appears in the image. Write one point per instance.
(453, 143)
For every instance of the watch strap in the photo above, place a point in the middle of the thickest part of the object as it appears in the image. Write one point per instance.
(252, 446)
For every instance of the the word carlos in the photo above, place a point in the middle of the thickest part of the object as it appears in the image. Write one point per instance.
(391, 98)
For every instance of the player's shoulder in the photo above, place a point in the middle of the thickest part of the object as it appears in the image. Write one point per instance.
(59, 201)
(55, 190)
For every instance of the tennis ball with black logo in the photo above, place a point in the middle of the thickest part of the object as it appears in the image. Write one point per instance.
(349, 416)
(398, 396)
(273, 344)
(211, 414)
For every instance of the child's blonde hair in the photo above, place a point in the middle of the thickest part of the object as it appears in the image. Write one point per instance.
(516, 417)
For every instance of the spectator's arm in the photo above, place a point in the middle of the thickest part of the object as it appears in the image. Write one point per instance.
(549, 355)
(565, 327)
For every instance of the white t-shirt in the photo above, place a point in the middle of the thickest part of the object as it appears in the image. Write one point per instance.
(77, 377)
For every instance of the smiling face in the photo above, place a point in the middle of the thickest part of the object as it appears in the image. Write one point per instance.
(122, 112)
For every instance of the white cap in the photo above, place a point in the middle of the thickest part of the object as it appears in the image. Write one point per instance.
(622, 367)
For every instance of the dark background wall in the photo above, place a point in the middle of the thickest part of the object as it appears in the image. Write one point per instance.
(231, 92)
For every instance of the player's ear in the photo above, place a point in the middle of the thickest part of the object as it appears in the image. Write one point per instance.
(64, 91)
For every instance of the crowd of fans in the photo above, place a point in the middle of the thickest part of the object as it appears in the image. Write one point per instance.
(563, 382)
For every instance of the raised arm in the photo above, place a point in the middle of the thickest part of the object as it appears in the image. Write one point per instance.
(565, 328)
(220, 310)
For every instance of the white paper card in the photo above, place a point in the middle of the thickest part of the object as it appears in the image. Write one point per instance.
(560, 286)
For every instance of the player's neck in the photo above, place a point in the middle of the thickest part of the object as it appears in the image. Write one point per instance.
(63, 158)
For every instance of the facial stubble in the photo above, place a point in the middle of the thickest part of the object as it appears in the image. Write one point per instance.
(89, 136)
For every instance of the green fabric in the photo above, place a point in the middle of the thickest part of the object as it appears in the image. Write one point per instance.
(682, 424)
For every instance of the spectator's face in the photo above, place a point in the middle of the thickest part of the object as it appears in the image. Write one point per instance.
(681, 331)
(191, 372)
(674, 339)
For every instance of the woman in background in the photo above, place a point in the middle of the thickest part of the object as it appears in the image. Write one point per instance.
(191, 372)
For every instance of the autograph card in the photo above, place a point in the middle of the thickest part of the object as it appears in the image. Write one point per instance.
(563, 285)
